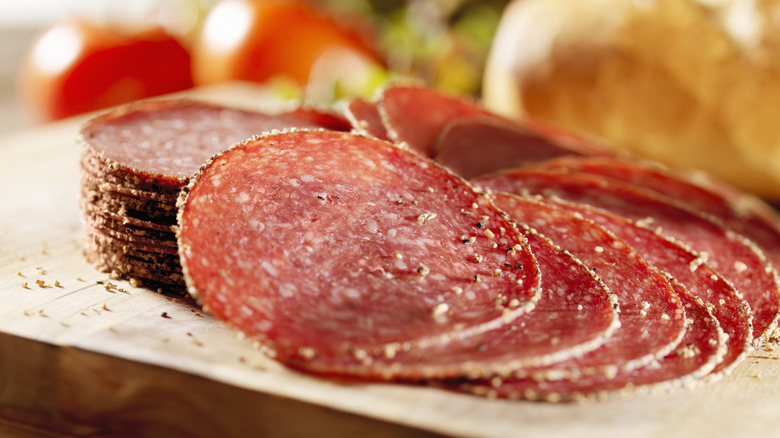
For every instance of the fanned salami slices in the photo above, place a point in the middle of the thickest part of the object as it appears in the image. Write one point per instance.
(700, 350)
(740, 212)
(689, 269)
(326, 244)
(462, 135)
(135, 161)
(651, 314)
(729, 253)
(348, 241)
(575, 314)
(416, 115)
(478, 145)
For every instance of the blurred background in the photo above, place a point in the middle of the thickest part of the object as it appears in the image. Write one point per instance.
(690, 83)
(317, 50)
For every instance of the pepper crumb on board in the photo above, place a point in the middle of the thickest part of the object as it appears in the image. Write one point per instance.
(195, 340)
(166, 316)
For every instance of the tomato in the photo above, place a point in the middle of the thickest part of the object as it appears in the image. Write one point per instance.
(79, 66)
(256, 40)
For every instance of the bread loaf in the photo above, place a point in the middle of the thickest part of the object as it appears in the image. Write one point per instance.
(691, 83)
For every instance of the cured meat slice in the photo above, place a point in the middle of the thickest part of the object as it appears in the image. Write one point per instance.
(130, 232)
(421, 116)
(158, 270)
(169, 140)
(651, 314)
(701, 349)
(140, 208)
(575, 314)
(136, 159)
(722, 299)
(739, 211)
(478, 145)
(331, 245)
(323, 117)
(730, 254)
(115, 216)
(118, 241)
(364, 117)
(416, 115)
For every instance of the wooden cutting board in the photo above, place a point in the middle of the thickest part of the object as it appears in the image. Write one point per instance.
(79, 359)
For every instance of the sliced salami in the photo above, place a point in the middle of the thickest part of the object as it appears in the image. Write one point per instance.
(651, 314)
(96, 211)
(416, 115)
(136, 159)
(701, 349)
(729, 253)
(331, 245)
(478, 145)
(739, 211)
(170, 140)
(364, 117)
(319, 116)
(576, 313)
(672, 257)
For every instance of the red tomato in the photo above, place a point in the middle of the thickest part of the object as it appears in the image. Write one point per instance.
(76, 66)
(256, 40)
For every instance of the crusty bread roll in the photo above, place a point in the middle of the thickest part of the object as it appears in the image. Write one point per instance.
(691, 83)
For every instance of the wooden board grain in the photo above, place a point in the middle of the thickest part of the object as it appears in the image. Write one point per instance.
(79, 359)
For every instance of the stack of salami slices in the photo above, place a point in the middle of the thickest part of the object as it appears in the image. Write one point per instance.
(134, 162)
(439, 243)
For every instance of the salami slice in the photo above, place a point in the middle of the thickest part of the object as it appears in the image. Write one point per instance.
(319, 116)
(739, 211)
(125, 219)
(170, 140)
(365, 118)
(136, 159)
(478, 145)
(737, 259)
(416, 115)
(672, 257)
(576, 313)
(651, 314)
(331, 245)
(701, 349)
